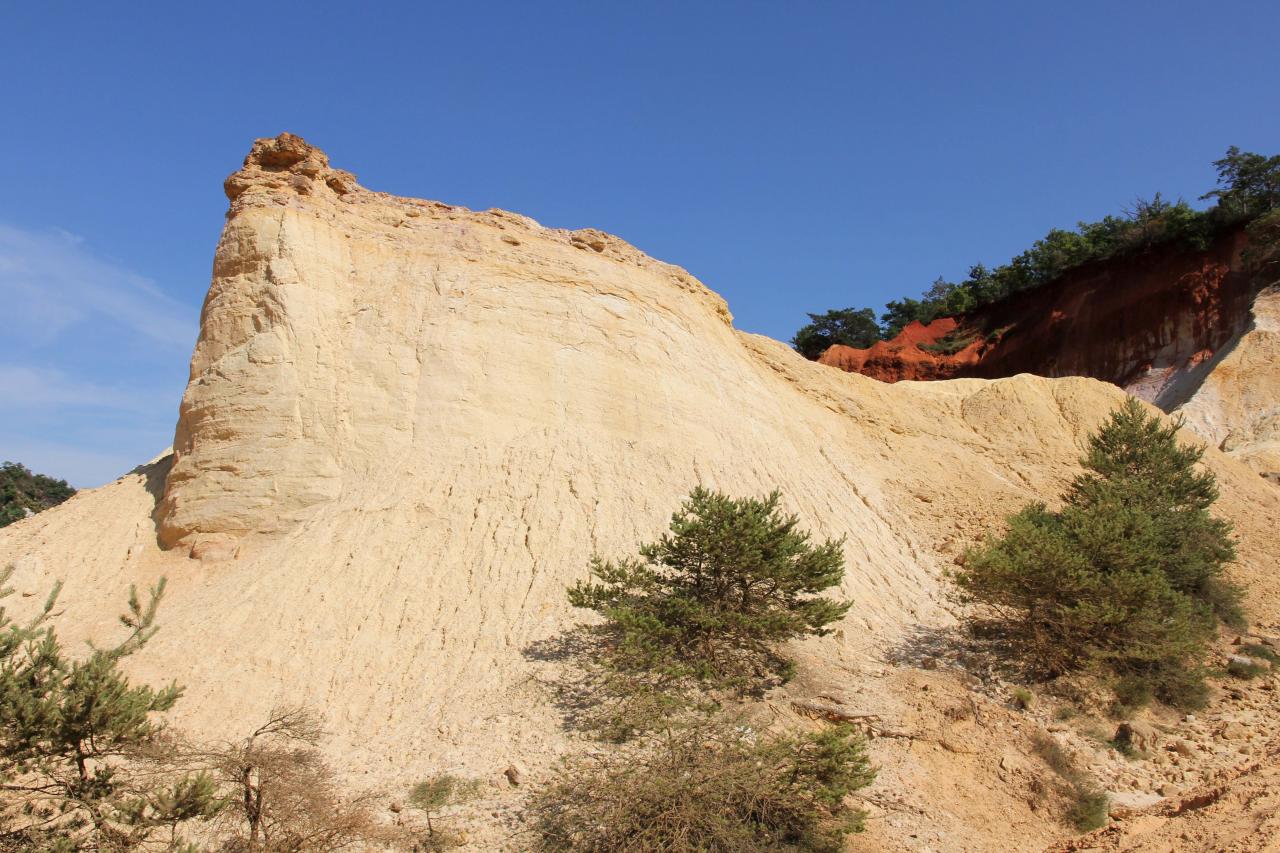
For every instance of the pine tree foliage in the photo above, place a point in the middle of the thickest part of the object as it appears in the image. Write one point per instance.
(431, 798)
(74, 737)
(1127, 577)
(714, 597)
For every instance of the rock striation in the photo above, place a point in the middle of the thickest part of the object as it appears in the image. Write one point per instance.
(409, 426)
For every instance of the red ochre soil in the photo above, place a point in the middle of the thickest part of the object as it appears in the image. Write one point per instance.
(1139, 321)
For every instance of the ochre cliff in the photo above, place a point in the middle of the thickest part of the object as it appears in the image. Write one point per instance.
(1157, 324)
(1146, 322)
(409, 426)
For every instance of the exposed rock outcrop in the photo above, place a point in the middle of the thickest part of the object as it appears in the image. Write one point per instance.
(1237, 406)
(1147, 322)
(1158, 324)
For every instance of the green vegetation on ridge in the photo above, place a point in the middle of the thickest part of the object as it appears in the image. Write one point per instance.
(23, 493)
(1248, 189)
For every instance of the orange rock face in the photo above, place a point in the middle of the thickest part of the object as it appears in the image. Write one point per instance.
(1149, 323)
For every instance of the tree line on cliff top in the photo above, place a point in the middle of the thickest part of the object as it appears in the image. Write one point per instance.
(1248, 190)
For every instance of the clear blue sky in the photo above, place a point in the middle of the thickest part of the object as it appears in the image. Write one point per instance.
(794, 156)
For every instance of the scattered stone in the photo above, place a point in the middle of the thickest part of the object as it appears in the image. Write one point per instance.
(514, 774)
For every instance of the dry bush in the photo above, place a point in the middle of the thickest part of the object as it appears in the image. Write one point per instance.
(710, 787)
(431, 798)
(284, 798)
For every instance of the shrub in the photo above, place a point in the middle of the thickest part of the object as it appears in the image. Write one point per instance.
(1023, 698)
(1257, 650)
(287, 799)
(1090, 807)
(953, 342)
(713, 598)
(1246, 669)
(1123, 744)
(431, 797)
(709, 787)
(1127, 578)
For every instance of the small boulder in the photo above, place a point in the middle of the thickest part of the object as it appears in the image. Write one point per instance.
(214, 548)
(1141, 736)
(514, 774)
(1234, 730)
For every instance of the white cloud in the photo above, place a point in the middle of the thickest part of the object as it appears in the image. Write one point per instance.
(39, 388)
(92, 359)
(50, 282)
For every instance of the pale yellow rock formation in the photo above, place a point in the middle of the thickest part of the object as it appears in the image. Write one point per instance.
(1237, 407)
(409, 426)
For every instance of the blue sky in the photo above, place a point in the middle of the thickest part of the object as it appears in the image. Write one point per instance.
(795, 157)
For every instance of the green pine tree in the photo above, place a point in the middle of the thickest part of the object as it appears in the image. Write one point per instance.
(74, 738)
(1127, 578)
(714, 597)
(849, 326)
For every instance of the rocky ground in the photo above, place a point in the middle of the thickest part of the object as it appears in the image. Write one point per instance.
(958, 755)
(963, 767)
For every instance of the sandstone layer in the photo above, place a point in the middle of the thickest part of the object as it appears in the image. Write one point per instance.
(409, 425)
